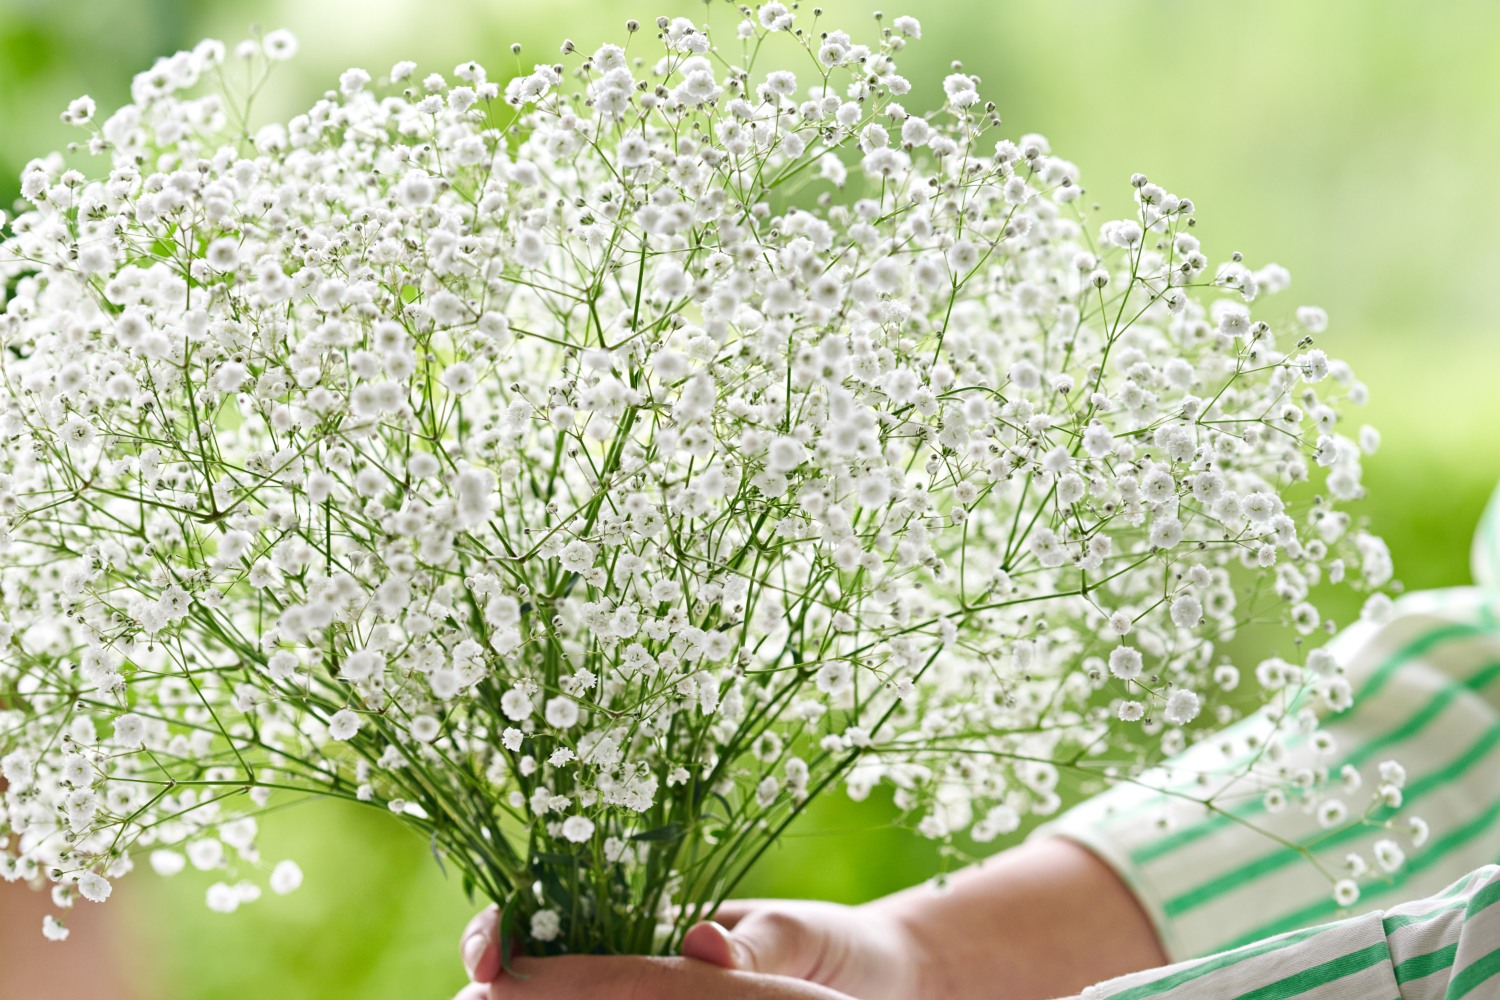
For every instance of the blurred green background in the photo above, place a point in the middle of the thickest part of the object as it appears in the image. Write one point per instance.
(1354, 141)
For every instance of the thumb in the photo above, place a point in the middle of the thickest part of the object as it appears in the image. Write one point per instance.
(481, 946)
(709, 942)
(766, 941)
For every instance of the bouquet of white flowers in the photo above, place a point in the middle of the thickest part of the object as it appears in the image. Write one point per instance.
(593, 469)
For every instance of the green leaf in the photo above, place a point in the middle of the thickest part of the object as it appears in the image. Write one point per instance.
(672, 831)
(554, 858)
(508, 917)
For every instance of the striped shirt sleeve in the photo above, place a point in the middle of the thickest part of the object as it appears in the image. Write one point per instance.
(1445, 947)
(1485, 555)
(1427, 694)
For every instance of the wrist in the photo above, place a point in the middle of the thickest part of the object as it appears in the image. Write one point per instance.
(1046, 918)
(916, 939)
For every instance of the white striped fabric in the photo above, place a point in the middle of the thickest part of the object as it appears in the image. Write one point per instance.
(1485, 555)
(1427, 695)
(1445, 947)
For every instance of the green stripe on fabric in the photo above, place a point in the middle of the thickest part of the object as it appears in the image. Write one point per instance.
(1420, 966)
(1326, 907)
(1423, 644)
(1431, 710)
(1213, 964)
(1429, 641)
(1214, 888)
(1483, 899)
(1318, 976)
(1400, 920)
(1473, 975)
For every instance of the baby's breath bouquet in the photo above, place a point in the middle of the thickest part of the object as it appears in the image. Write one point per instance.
(592, 469)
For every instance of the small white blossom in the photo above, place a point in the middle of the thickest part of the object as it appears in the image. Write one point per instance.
(94, 887)
(562, 712)
(279, 45)
(130, 730)
(1388, 855)
(286, 877)
(1182, 707)
(577, 829)
(80, 112)
(546, 925)
(961, 90)
(1125, 663)
(343, 725)
(516, 705)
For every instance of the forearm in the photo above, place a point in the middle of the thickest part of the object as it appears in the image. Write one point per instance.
(91, 963)
(1044, 919)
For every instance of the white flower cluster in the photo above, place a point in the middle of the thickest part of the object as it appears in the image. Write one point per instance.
(592, 468)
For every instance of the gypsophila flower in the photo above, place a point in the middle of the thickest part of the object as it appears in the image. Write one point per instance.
(1125, 663)
(167, 863)
(1312, 319)
(571, 467)
(343, 725)
(1388, 855)
(577, 829)
(516, 705)
(286, 877)
(1331, 813)
(1182, 707)
(1392, 773)
(545, 926)
(206, 855)
(835, 677)
(94, 887)
(1187, 610)
(352, 81)
(280, 45)
(362, 664)
(1417, 830)
(130, 730)
(221, 897)
(562, 712)
(775, 16)
(80, 112)
(961, 90)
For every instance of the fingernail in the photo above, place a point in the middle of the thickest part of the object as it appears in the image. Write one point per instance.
(473, 951)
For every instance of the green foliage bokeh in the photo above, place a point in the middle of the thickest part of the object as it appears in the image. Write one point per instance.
(1353, 141)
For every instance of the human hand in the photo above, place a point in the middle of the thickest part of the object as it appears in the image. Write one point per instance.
(1043, 919)
(860, 952)
(629, 977)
